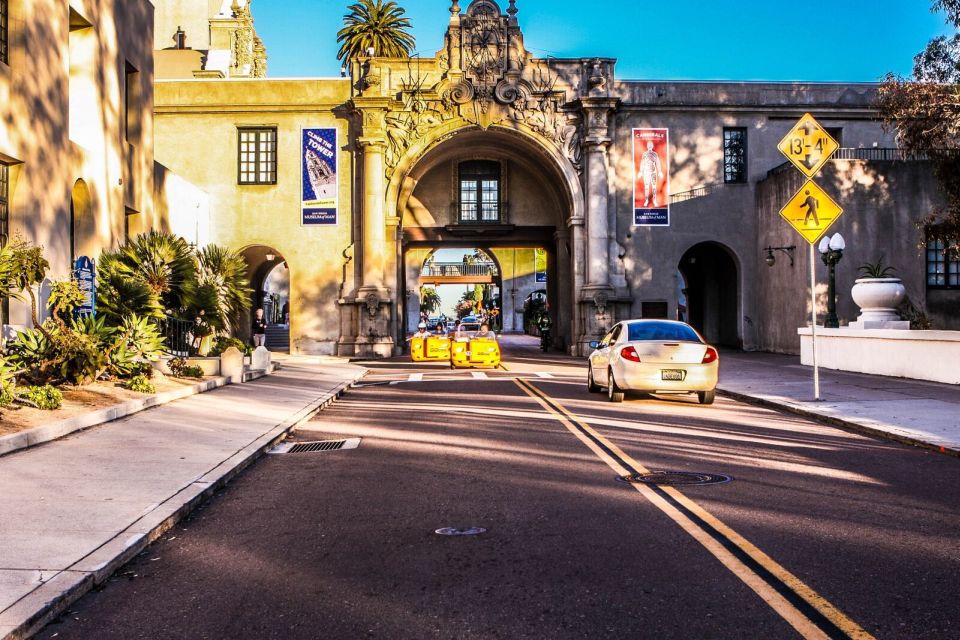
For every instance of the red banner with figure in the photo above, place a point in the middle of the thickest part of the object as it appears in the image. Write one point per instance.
(651, 177)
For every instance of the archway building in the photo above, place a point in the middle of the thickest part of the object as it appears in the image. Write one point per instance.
(489, 146)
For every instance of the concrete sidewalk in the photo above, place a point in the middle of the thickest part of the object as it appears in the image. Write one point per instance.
(74, 510)
(911, 411)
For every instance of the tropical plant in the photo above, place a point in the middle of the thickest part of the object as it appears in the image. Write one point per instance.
(43, 397)
(429, 300)
(8, 382)
(140, 384)
(150, 274)
(26, 268)
(222, 343)
(876, 269)
(6, 271)
(220, 289)
(378, 25)
(925, 113)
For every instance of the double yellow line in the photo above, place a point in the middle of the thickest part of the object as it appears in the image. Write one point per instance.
(803, 608)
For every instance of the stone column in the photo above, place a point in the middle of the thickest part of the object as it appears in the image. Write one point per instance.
(374, 223)
(598, 192)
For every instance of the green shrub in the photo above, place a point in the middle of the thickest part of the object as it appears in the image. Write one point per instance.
(43, 397)
(8, 382)
(222, 343)
(140, 384)
(180, 369)
(193, 372)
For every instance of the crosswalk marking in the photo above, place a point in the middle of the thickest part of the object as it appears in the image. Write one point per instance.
(544, 374)
(479, 375)
(416, 377)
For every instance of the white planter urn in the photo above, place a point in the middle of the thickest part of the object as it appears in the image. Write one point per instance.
(878, 299)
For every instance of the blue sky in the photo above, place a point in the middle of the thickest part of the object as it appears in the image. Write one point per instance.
(817, 40)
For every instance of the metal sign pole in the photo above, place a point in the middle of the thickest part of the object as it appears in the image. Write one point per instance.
(813, 324)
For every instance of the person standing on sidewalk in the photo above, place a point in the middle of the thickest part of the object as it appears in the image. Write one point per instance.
(259, 329)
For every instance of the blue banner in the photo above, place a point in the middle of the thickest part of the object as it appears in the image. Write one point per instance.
(84, 272)
(319, 177)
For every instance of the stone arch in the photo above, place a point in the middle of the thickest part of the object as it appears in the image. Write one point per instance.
(400, 187)
(712, 272)
(262, 260)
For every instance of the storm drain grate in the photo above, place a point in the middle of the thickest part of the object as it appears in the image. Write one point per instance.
(676, 478)
(316, 446)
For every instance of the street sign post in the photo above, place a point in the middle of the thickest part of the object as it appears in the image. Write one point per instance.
(811, 210)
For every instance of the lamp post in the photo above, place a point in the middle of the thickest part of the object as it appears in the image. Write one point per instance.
(831, 251)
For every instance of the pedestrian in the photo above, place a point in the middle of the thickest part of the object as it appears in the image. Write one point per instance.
(259, 329)
(285, 312)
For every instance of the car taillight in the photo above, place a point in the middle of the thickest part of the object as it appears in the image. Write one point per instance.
(629, 353)
(710, 356)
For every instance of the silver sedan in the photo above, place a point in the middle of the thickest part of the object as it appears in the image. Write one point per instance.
(655, 356)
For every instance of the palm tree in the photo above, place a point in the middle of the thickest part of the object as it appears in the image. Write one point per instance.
(429, 300)
(377, 25)
(147, 276)
(221, 290)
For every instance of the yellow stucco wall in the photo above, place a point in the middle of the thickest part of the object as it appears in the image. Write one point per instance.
(63, 107)
(196, 137)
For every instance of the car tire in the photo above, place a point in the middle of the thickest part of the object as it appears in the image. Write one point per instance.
(707, 397)
(592, 386)
(614, 393)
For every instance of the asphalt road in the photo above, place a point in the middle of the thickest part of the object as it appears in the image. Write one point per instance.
(820, 533)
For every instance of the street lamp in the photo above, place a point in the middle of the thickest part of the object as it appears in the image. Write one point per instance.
(831, 251)
(772, 259)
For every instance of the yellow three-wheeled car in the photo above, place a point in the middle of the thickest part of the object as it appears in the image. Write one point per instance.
(430, 349)
(474, 352)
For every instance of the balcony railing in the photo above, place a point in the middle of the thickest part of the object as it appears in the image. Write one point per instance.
(874, 154)
(698, 192)
(458, 269)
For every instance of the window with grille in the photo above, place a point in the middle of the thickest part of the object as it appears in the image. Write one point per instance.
(258, 155)
(4, 31)
(480, 191)
(943, 266)
(734, 154)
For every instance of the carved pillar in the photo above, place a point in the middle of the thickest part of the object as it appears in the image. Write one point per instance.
(454, 40)
(595, 313)
(374, 222)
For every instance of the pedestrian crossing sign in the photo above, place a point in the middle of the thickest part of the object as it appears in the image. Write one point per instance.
(808, 146)
(811, 211)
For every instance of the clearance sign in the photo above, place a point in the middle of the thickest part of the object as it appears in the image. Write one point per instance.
(651, 177)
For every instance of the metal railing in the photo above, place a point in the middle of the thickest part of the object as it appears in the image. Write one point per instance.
(458, 269)
(874, 154)
(178, 335)
(698, 192)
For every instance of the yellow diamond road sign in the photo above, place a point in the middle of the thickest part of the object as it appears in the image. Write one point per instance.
(808, 146)
(811, 211)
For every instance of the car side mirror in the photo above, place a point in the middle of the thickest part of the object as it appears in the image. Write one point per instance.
(594, 345)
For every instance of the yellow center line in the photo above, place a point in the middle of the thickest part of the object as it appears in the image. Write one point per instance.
(667, 498)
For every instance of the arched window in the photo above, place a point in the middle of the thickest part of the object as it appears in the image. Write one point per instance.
(479, 192)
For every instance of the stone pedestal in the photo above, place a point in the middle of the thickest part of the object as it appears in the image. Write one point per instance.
(231, 365)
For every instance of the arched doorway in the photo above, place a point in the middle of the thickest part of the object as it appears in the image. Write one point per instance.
(269, 276)
(711, 288)
(498, 190)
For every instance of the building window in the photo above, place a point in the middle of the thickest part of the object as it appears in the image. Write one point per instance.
(734, 154)
(943, 266)
(258, 155)
(480, 191)
(131, 94)
(4, 31)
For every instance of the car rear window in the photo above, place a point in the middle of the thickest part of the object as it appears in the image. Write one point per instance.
(661, 331)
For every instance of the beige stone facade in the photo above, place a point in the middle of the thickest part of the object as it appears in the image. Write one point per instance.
(558, 134)
(76, 136)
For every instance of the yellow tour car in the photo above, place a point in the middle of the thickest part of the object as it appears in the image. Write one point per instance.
(474, 352)
(430, 349)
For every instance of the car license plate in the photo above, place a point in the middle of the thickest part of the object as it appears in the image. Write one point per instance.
(672, 374)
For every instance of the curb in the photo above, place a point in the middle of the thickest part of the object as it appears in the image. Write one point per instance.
(33, 612)
(840, 423)
(55, 430)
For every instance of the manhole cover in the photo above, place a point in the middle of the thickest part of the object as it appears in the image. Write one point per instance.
(451, 531)
(676, 478)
